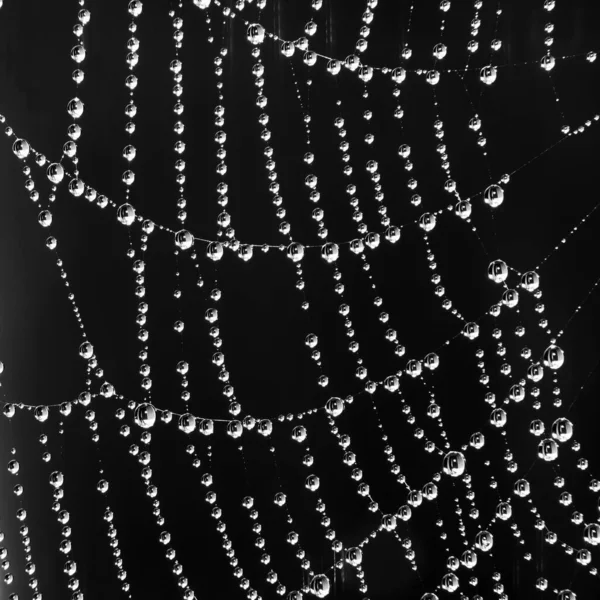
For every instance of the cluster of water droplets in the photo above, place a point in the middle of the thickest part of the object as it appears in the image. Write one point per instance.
(453, 463)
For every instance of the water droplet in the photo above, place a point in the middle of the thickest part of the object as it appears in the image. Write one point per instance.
(256, 34)
(454, 464)
(21, 148)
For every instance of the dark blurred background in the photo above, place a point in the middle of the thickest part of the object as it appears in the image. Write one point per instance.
(261, 322)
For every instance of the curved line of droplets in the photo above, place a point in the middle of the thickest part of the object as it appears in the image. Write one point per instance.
(597, 117)
(230, 12)
(105, 201)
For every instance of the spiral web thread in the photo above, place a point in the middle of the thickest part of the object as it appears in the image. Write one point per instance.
(474, 524)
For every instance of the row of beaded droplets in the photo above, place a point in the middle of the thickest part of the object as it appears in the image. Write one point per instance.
(333, 408)
(21, 515)
(75, 110)
(319, 583)
(134, 10)
(234, 428)
(147, 415)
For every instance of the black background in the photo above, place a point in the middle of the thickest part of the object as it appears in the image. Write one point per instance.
(261, 322)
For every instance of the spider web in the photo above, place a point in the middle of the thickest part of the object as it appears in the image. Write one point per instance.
(408, 471)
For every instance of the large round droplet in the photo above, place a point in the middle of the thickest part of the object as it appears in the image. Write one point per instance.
(129, 152)
(530, 281)
(498, 271)
(591, 534)
(295, 251)
(547, 63)
(488, 75)
(184, 239)
(330, 252)
(471, 331)
(354, 556)
(404, 151)
(494, 195)
(256, 34)
(477, 440)
(214, 251)
(335, 406)
(45, 218)
(207, 427)
(427, 222)
(55, 173)
(235, 429)
(265, 427)
(440, 51)
(454, 464)
(484, 540)
(56, 479)
(504, 511)
(75, 108)
(76, 187)
(392, 234)
(398, 75)
(430, 491)
(135, 8)
(357, 246)
(562, 429)
(41, 413)
(463, 209)
(187, 423)
(86, 350)
(320, 586)
(299, 433)
(107, 389)
(554, 357)
(432, 361)
(475, 124)
(288, 49)
(510, 298)
(78, 54)
(365, 73)
(145, 415)
(450, 582)
(469, 559)
(535, 372)
(522, 488)
(334, 67)
(414, 368)
(433, 77)
(312, 483)
(548, 450)
(21, 148)
(245, 252)
(126, 214)
(388, 522)
(498, 417)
